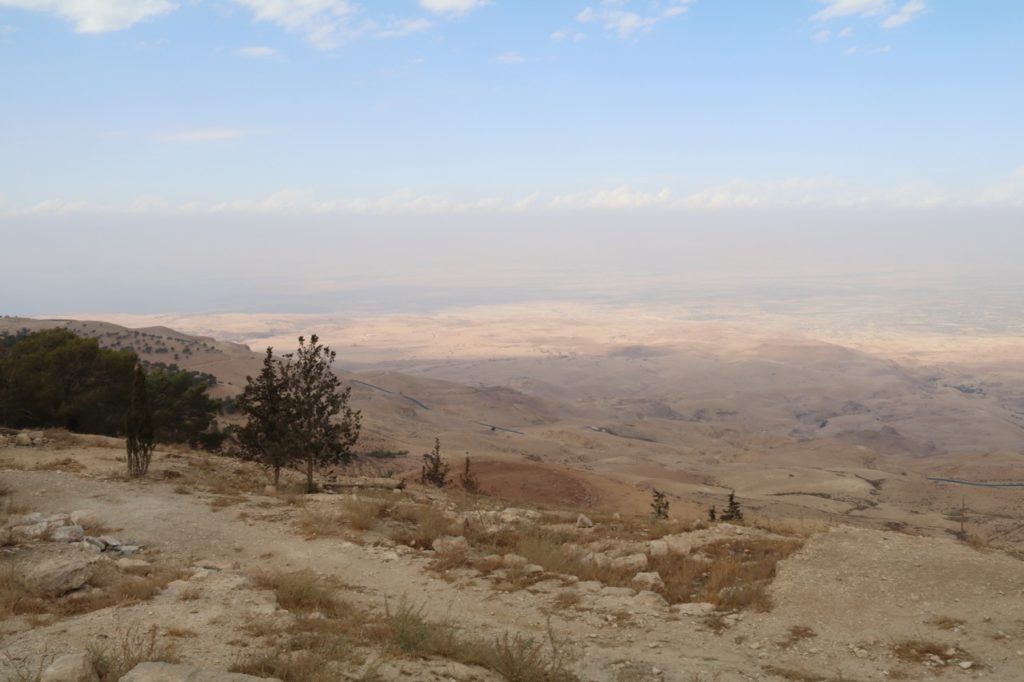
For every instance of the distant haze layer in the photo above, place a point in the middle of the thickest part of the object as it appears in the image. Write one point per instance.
(425, 263)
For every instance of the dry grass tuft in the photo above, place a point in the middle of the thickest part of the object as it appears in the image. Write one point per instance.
(318, 524)
(567, 599)
(418, 525)
(946, 622)
(63, 464)
(926, 652)
(797, 634)
(513, 656)
(363, 513)
(114, 658)
(303, 592)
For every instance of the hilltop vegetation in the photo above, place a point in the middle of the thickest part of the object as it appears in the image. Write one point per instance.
(54, 378)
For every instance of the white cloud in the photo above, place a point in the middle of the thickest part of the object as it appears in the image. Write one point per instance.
(845, 33)
(325, 23)
(202, 135)
(7, 29)
(613, 16)
(453, 8)
(511, 58)
(822, 36)
(786, 194)
(403, 27)
(835, 9)
(566, 34)
(257, 52)
(97, 16)
(853, 51)
(905, 14)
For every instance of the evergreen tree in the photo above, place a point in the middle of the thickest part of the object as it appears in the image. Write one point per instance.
(139, 427)
(325, 427)
(659, 505)
(265, 437)
(435, 470)
(468, 479)
(732, 510)
(712, 514)
(298, 413)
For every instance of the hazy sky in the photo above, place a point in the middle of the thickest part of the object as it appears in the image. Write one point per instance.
(223, 133)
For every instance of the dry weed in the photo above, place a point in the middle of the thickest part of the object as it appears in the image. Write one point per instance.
(797, 634)
(946, 622)
(303, 592)
(113, 659)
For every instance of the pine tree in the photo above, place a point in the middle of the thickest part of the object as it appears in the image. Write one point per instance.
(712, 514)
(323, 425)
(139, 427)
(297, 412)
(468, 479)
(265, 437)
(659, 505)
(732, 509)
(435, 470)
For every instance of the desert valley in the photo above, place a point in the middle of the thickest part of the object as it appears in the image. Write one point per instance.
(853, 562)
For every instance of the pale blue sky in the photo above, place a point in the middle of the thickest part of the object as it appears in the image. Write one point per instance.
(221, 112)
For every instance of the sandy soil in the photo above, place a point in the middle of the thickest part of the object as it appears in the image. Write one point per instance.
(860, 591)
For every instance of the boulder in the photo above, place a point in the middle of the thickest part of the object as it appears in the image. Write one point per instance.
(648, 598)
(177, 672)
(26, 519)
(657, 548)
(596, 559)
(583, 521)
(678, 544)
(533, 569)
(70, 668)
(59, 575)
(648, 581)
(133, 566)
(67, 534)
(447, 544)
(109, 541)
(23, 440)
(513, 560)
(36, 531)
(513, 515)
(697, 608)
(86, 518)
(633, 562)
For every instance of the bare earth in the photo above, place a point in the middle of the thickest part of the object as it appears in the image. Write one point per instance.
(859, 591)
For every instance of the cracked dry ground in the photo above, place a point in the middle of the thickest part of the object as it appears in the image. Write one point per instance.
(852, 604)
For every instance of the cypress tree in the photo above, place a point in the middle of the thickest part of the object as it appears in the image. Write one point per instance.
(435, 470)
(139, 427)
(732, 510)
(659, 505)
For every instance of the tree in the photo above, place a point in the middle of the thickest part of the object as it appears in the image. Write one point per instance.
(55, 378)
(468, 479)
(297, 412)
(316, 400)
(732, 510)
(659, 505)
(265, 437)
(183, 412)
(139, 427)
(435, 470)
(712, 514)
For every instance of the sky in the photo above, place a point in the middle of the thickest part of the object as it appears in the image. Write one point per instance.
(213, 143)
